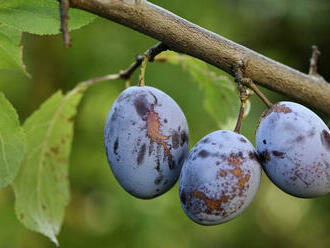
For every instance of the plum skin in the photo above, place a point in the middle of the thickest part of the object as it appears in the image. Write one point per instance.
(146, 139)
(294, 146)
(219, 179)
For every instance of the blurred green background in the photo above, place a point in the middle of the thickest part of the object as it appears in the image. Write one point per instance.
(101, 214)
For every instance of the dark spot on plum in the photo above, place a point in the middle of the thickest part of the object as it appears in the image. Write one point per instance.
(155, 98)
(264, 156)
(151, 148)
(124, 96)
(325, 138)
(165, 120)
(115, 146)
(311, 132)
(300, 138)
(243, 140)
(141, 105)
(278, 154)
(159, 179)
(114, 115)
(206, 141)
(203, 154)
(253, 155)
(165, 182)
(158, 165)
(184, 138)
(175, 140)
(183, 197)
(141, 154)
(181, 158)
(264, 141)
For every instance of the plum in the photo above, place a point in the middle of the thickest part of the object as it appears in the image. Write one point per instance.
(220, 178)
(293, 144)
(146, 139)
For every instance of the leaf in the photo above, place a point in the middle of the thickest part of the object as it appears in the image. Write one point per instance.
(11, 55)
(41, 186)
(40, 16)
(220, 98)
(11, 142)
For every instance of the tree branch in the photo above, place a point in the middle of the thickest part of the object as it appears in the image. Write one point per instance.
(185, 37)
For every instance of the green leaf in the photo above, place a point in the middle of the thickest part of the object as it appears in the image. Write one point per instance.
(11, 142)
(221, 100)
(11, 56)
(41, 186)
(40, 16)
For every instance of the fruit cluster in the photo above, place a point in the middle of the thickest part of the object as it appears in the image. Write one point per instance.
(147, 145)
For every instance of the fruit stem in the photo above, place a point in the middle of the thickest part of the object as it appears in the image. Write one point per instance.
(249, 83)
(243, 95)
(143, 71)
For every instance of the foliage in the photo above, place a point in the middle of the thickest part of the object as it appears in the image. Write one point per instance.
(11, 142)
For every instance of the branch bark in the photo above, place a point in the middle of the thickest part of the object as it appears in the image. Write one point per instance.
(183, 36)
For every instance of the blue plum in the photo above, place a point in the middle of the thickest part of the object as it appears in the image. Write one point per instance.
(220, 178)
(293, 144)
(146, 139)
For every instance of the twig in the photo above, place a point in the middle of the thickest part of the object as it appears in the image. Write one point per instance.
(64, 8)
(149, 55)
(313, 62)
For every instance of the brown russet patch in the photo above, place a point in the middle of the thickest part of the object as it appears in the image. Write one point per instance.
(276, 108)
(280, 108)
(237, 172)
(223, 173)
(210, 203)
(234, 161)
(153, 132)
(241, 183)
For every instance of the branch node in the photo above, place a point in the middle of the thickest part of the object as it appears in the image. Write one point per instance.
(240, 79)
(64, 9)
(152, 52)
